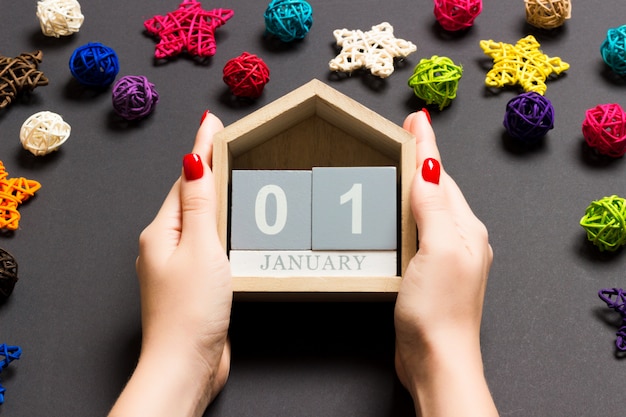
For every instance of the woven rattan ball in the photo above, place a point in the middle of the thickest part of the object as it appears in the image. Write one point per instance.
(8, 273)
(44, 132)
(134, 97)
(436, 80)
(604, 129)
(288, 20)
(246, 75)
(59, 17)
(605, 223)
(529, 117)
(613, 49)
(548, 14)
(455, 15)
(94, 65)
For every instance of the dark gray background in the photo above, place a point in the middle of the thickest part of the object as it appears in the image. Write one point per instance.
(547, 337)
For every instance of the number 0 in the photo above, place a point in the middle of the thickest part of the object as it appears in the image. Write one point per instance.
(260, 214)
(355, 194)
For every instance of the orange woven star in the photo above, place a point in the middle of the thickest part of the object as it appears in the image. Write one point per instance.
(522, 63)
(189, 28)
(13, 192)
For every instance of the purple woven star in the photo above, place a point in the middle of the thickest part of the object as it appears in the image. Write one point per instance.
(615, 298)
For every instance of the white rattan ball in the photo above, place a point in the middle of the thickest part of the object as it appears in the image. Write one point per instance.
(44, 132)
(59, 17)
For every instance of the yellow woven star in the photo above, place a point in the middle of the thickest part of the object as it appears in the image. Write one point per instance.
(374, 50)
(522, 63)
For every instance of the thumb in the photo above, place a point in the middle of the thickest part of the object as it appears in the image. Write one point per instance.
(197, 189)
(429, 202)
(197, 199)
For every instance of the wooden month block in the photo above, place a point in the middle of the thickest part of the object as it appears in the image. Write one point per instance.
(354, 208)
(271, 209)
(339, 264)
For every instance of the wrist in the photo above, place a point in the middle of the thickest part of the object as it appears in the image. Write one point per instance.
(448, 379)
(167, 383)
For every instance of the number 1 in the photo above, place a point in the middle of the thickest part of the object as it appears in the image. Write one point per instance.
(355, 194)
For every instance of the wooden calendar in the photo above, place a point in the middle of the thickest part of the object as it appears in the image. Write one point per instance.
(313, 194)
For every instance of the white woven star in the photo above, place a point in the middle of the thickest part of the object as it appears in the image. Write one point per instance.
(374, 50)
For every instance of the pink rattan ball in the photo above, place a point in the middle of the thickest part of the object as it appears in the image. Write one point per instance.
(604, 129)
(455, 15)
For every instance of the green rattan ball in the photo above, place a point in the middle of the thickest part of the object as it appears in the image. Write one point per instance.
(436, 80)
(605, 223)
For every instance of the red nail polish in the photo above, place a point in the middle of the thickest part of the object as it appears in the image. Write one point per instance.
(431, 170)
(204, 115)
(427, 113)
(192, 166)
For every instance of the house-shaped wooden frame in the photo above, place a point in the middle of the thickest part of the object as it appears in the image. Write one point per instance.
(313, 126)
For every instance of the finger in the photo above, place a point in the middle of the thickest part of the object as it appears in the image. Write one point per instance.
(170, 208)
(429, 200)
(203, 145)
(439, 207)
(169, 213)
(162, 235)
(425, 144)
(197, 189)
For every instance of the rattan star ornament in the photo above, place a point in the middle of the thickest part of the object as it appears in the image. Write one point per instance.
(375, 50)
(13, 192)
(189, 29)
(521, 64)
(19, 74)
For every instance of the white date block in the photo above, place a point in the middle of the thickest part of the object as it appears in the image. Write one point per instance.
(271, 209)
(268, 263)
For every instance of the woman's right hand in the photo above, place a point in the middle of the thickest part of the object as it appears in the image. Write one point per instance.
(439, 306)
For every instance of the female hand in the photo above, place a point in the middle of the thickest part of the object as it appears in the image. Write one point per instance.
(439, 306)
(186, 297)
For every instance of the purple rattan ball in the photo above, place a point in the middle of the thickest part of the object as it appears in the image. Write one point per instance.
(134, 97)
(529, 117)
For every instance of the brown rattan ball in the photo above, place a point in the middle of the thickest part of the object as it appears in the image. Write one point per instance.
(548, 14)
(8, 273)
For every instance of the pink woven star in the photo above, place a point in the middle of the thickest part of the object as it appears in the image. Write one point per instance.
(189, 28)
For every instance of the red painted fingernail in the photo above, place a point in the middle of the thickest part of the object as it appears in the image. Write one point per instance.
(431, 170)
(427, 113)
(204, 115)
(192, 165)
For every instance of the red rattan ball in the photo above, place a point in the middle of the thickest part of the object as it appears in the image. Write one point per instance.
(604, 129)
(246, 75)
(455, 15)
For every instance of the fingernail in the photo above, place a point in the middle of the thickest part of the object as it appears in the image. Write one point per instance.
(431, 170)
(204, 115)
(427, 113)
(192, 166)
